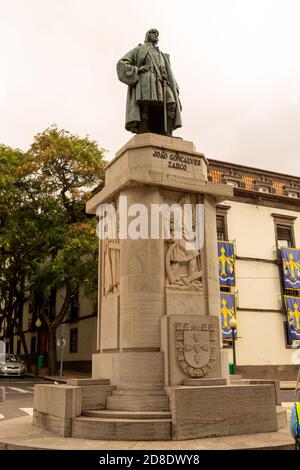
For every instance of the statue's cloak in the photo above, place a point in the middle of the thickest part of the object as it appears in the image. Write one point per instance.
(127, 70)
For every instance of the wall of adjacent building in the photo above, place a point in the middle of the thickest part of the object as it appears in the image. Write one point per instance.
(260, 316)
(86, 325)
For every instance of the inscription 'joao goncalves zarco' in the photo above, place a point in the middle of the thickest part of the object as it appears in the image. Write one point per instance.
(196, 347)
(176, 160)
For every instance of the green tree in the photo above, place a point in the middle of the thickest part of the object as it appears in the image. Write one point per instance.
(18, 240)
(65, 171)
(47, 241)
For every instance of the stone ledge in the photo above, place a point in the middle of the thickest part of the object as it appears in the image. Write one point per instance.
(86, 382)
(282, 419)
(59, 426)
(122, 429)
(19, 433)
(275, 383)
(155, 140)
(139, 392)
(60, 401)
(203, 382)
(128, 414)
(200, 412)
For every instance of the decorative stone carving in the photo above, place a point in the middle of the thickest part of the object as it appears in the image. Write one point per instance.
(111, 264)
(183, 265)
(196, 347)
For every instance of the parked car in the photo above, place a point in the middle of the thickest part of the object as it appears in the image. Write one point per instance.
(11, 364)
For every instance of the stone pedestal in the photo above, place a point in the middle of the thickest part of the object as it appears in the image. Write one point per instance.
(159, 373)
(143, 292)
(2, 394)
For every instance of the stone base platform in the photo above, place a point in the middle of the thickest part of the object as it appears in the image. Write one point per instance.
(97, 410)
(20, 434)
(122, 429)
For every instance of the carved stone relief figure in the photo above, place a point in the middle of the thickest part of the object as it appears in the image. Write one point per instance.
(111, 264)
(183, 265)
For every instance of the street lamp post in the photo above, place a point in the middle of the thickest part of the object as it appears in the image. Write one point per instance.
(232, 324)
(61, 343)
(38, 325)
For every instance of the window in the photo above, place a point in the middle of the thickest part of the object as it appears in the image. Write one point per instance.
(233, 183)
(74, 307)
(73, 340)
(232, 178)
(221, 220)
(284, 231)
(284, 236)
(221, 229)
(19, 344)
(264, 189)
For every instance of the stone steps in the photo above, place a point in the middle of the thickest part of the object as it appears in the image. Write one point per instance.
(128, 414)
(139, 392)
(94, 396)
(203, 382)
(121, 429)
(138, 403)
(235, 378)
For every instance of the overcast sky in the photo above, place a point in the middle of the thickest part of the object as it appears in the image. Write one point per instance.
(237, 63)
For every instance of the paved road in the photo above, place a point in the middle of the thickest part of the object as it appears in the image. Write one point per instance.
(18, 396)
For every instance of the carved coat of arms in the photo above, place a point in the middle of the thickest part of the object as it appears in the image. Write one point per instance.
(195, 347)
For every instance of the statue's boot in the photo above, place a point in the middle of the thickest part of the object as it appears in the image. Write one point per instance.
(170, 126)
(144, 126)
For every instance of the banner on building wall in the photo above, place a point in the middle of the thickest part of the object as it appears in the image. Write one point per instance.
(226, 257)
(292, 305)
(228, 310)
(290, 267)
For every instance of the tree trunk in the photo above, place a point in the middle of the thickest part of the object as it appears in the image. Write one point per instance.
(52, 326)
(52, 356)
(10, 334)
(26, 352)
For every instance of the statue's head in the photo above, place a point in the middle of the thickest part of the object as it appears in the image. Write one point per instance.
(152, 36)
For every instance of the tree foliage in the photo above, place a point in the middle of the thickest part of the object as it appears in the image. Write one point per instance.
(47, 241)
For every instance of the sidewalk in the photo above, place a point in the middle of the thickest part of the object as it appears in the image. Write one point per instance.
(67, 374)
(19, 434)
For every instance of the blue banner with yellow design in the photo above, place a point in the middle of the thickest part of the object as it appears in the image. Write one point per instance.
(290, 267)
(292, 305)
(226, 257)
(228, 310)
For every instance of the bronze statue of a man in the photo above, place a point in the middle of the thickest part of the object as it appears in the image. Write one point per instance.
(153, 103)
